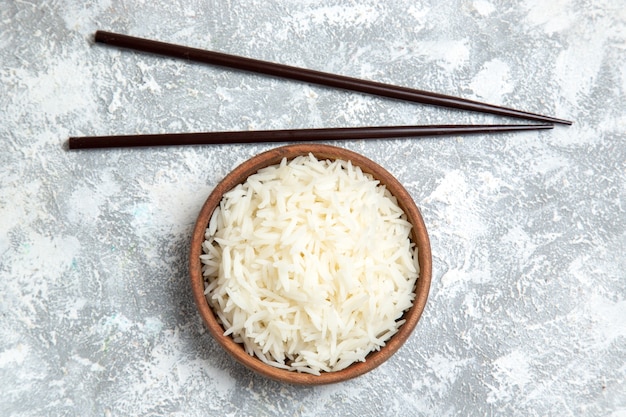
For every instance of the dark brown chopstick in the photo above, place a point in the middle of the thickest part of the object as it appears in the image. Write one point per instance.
(314, 77)
(295, 135)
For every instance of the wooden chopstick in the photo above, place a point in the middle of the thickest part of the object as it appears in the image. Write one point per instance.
(314, 77)
(295, 135)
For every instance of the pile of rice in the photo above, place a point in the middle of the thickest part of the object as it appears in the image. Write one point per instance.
(309, 264)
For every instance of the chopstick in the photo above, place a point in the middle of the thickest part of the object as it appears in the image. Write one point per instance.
(314, 77)
(297, 135)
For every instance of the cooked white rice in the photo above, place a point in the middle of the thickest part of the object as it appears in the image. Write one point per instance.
(309, 264)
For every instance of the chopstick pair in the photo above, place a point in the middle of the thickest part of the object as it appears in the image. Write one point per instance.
(313, 77)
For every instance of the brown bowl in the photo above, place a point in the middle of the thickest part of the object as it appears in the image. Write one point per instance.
(419, 236)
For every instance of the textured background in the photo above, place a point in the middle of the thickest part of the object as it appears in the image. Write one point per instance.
(527, 313)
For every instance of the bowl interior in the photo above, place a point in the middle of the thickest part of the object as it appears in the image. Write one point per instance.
(419, 237)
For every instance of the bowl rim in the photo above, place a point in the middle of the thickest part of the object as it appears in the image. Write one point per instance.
(419, 237)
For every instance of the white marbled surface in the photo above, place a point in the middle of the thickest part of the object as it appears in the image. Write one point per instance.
(527, 312)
